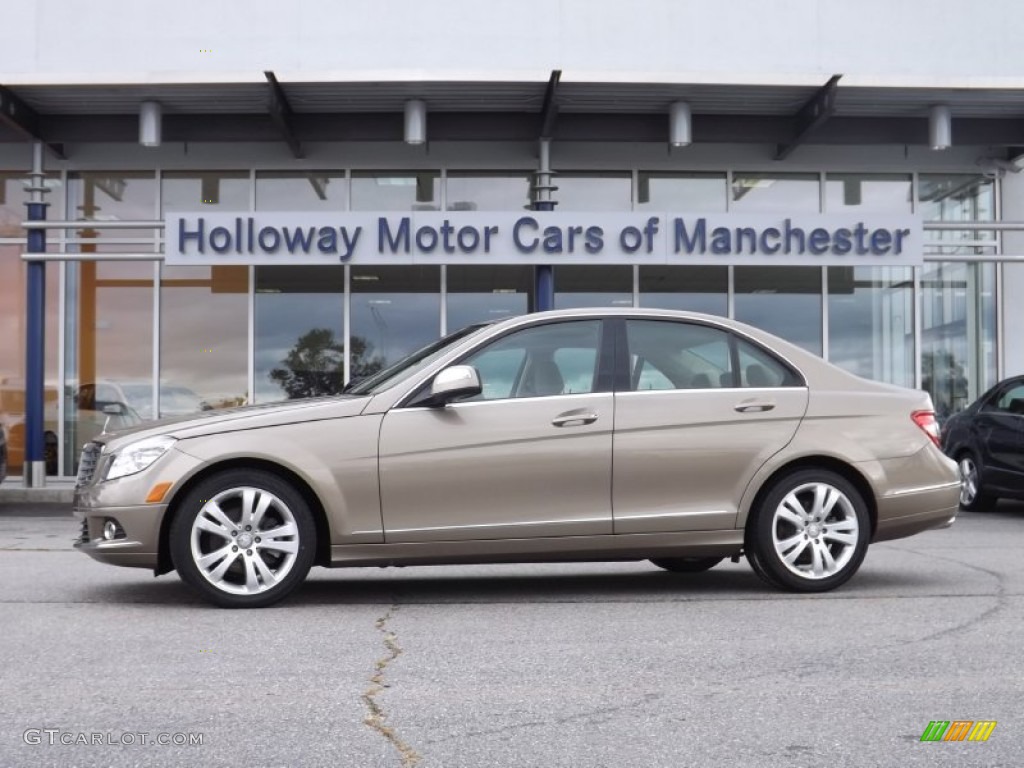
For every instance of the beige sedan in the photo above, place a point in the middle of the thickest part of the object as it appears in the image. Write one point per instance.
(559, 436)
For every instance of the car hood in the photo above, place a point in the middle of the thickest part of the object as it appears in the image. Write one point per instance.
(245, 417)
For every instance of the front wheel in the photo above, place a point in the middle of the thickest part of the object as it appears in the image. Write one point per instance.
(972, 497)
(243, 539)
(810, 533)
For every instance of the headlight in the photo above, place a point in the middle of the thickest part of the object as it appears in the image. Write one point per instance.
(137, 456)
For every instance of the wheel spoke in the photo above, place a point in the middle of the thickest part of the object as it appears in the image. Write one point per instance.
(795, 552)
(847, 539)
(816, 561)
(273, 539)
(791, 517)
(828, 561)
(252, 584)
(785, 545)
(218, 573)
(209, 560)
(266, 574)
(261, 509)
(793, 505)
(248, 500)
(210, 526)
(212, 508)
(831, 497)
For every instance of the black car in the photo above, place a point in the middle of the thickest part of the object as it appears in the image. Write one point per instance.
(987, 440)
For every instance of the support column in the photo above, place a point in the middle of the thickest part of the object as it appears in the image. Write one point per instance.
(544, 274)
(34, 470)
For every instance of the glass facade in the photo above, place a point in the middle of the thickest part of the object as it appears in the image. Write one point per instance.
(127, 340)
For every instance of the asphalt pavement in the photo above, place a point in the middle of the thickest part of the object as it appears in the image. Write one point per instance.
(617, 664)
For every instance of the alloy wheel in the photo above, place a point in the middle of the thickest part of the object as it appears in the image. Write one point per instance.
(244, 540)
(968, 480)
(815, 530)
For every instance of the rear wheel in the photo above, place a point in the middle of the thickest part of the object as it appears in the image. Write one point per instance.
(972, 496)
(810, 533)
(686, 564)
(243, 539)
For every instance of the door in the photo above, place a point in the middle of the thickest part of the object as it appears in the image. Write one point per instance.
(528, 457)
(702, 412)
(999, 432)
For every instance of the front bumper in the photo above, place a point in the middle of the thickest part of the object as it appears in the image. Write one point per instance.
(121, 500)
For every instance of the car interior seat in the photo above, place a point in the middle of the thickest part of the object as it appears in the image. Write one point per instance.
(542, 379)
(700, 381)
(757, 376)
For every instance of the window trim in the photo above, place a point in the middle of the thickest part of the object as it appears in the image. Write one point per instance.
(603, 377)
(624, 379)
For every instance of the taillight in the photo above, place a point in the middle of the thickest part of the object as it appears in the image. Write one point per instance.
(926, 421)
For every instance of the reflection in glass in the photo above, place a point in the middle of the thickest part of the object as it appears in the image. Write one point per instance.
(597, 191)
(117, 196)
(14, 194)
(299, 333)
(483, 294)
(785, 301)
(202, 191)
(871, 322)
(204, 336)
(681, 192)
(109, 350)
(775, 193)
(305, 191)
(395, 311)
(396, 191)
(696, 289)
(487, 191)
(958, 333)
(868, 193)
(956, 197)
(13, 315)
(585, 285)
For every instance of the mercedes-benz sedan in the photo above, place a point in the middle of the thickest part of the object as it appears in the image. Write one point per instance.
(575, 435)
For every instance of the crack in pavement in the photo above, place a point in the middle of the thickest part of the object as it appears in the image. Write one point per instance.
(377, 717)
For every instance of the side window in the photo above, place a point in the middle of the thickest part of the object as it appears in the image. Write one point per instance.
(1012, 401)
(674, 355)
(554, 359)
(759, 369)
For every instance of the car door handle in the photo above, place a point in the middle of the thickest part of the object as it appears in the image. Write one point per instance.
(756, 407)
(574, 418)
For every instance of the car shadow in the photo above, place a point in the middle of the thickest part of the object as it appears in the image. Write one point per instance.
(425, 585)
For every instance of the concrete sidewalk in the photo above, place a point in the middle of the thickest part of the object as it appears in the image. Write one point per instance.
(13, 493)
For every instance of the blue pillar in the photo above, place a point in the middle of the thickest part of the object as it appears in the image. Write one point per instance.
(34, 470)
(544, 274)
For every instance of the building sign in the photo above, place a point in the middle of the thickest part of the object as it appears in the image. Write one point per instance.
(504, 237)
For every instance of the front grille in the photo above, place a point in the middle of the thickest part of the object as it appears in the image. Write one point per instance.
(87, 464)
(83, 537)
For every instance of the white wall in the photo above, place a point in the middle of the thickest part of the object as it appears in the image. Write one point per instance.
(897, 42)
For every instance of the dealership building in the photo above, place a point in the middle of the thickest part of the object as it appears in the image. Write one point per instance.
(202, 208)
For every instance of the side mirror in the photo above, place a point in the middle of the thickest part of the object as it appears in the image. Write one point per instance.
(114, 409)
(455, 381)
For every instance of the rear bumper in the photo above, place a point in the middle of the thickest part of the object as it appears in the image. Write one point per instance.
(905, 513)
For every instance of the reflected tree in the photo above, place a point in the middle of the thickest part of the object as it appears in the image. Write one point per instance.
(315, 366)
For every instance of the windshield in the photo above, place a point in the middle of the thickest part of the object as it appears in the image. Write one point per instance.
(412, 364)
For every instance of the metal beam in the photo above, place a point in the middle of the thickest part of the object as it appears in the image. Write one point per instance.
(16, 114)
(549, 112)
(819, 108)
(281, 115)
(522, 126)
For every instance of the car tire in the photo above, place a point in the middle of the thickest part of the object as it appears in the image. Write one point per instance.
(972, 495)
(686, 564)
(809, 533)
(233, 566)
